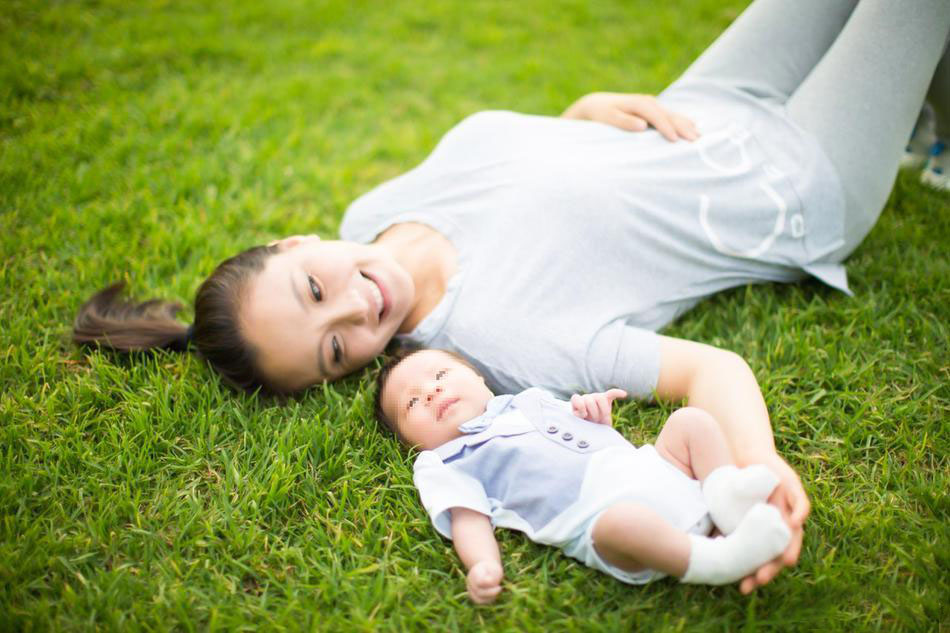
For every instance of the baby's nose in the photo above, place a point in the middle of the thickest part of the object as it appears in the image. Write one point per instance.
(432, 394)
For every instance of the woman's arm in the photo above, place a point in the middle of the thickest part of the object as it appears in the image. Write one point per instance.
(722, 383)
(474, 540)
(632, 112)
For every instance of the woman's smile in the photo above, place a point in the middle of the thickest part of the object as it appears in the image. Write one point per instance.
(379, 296)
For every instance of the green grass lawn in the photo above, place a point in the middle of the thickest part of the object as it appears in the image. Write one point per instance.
(146, 141)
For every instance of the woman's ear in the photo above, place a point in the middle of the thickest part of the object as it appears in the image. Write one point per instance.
(290, 242)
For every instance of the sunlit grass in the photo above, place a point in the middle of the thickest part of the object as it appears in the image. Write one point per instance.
(146, 141)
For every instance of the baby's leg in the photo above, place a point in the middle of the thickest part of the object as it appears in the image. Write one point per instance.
(693, 442)
(633, 537)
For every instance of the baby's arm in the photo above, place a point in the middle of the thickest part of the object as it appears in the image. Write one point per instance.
(474, 540)
(595, 407)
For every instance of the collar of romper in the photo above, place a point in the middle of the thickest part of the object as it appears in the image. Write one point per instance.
(496, 406)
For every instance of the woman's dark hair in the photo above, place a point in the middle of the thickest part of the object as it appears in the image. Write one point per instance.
(109, 321)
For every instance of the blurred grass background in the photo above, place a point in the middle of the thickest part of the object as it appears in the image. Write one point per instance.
(147, 141)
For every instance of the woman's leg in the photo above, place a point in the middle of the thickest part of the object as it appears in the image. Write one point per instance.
(938, 96)
(937, 168)
(863, 97)
(772, 46)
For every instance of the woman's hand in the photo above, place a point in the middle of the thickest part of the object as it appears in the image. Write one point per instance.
(632, 112)
(484, 581)
(595, 407)
(790, 498)
(723, 384)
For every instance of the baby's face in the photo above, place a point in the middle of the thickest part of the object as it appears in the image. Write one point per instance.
(429, 394)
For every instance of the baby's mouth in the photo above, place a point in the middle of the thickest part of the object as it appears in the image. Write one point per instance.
(443, 407)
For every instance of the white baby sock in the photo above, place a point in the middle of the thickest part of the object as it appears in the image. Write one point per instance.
(730, 492)
(761, 536)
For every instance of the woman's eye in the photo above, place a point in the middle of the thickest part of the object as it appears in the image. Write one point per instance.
(337, 351)
(439, 374)
(412, 402)
(315, 289)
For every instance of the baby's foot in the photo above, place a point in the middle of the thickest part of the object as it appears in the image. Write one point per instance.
(761, 536)
(937, 170)
(730, 492)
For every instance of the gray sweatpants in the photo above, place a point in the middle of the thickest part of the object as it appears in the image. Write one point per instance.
(852, 73)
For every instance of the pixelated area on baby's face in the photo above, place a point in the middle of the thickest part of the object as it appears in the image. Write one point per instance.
(429, 394)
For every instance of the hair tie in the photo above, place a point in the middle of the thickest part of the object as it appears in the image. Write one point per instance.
(180, 343)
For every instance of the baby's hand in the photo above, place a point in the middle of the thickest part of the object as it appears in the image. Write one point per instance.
(484, 581)
(595, 407)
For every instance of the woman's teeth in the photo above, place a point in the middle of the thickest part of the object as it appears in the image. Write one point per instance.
(377, 296)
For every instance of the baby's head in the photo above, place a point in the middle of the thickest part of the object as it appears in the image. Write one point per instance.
(424, 396)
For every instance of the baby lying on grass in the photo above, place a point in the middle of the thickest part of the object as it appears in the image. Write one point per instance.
(558, 472)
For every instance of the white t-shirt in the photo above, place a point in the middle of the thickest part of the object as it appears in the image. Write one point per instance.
(576, 240)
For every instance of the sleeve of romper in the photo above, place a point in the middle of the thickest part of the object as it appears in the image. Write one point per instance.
(627, 357)
(443, 488)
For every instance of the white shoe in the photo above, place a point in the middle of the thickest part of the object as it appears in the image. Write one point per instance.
(936, 172)
(921, 140)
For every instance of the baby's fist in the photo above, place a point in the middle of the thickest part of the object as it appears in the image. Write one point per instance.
(484, 581)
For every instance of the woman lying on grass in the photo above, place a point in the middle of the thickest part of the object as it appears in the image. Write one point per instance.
(549, 251)
(560, 474)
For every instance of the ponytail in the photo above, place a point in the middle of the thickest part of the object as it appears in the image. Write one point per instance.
(109, 321)
(106, 320)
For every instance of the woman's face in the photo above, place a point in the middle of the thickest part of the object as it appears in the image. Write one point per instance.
(322, 309)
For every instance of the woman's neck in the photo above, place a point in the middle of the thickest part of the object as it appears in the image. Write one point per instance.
(429, 258)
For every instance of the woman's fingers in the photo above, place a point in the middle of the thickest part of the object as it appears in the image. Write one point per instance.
(632, 112)
(794, 549)
(627, 121)
(789, 496)
(685, 127)
(762, 576)
(649, 109)
(747, 585)
(767, 572)
(799, 503)
(671, 125)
